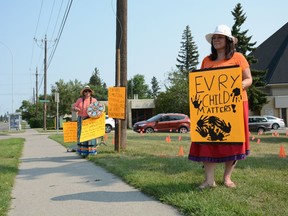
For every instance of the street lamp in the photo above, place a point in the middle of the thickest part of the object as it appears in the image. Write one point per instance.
(12, 73)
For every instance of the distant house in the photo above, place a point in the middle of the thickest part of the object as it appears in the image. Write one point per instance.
(272, 55)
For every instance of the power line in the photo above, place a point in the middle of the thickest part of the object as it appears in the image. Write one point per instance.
(57, 20)
(50, 16)
(60, 31)
(36, 29)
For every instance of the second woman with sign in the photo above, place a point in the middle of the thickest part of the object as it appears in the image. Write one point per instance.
(223, 54)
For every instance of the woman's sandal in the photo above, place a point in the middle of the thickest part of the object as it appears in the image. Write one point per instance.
(205, 185)
(230, 185)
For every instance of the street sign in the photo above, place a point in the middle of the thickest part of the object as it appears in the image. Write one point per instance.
(43, 101)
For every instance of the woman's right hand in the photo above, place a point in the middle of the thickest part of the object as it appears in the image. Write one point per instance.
(76, 109)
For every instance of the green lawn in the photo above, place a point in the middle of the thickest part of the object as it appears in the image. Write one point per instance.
(10, 151)
(151, 164)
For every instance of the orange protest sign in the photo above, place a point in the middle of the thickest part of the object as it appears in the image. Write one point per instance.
(70, 131)
(216, 108)
(117, 102)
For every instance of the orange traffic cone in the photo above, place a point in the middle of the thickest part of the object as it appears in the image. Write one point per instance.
(180, 138)
(168, 139)
(106, 136)
(180, 152)
(282, 153)
(258, 141)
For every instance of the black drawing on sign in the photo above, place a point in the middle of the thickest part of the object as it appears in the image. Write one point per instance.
(213, 128)
(236, 95)
(195, 101)
(233, 107)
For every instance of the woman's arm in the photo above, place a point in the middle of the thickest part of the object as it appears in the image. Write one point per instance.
(246, 78)
(76, 107)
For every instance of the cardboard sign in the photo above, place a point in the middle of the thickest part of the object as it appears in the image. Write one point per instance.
(117, 102)
(216, 108)
(91, 128)
(70, 131)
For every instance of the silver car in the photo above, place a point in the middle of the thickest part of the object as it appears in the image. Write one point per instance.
(259, 124)
(276, 122)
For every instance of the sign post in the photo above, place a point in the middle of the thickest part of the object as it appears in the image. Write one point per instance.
(57, 115)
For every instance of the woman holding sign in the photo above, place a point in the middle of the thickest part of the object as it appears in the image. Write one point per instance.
(81, 107)
(223, 54)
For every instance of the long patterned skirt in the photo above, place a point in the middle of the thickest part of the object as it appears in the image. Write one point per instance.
(87, 147)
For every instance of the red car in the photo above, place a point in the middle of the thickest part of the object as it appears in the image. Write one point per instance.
(164, 122)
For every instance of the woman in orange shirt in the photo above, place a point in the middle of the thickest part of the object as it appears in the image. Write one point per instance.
(223, 54)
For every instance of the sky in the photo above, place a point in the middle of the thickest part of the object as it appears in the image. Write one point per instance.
(154, 35)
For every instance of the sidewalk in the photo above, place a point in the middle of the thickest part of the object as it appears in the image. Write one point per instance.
(56, 183)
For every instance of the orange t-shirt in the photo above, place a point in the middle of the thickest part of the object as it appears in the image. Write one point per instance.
(237, 59)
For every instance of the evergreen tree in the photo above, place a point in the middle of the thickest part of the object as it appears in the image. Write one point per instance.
(188, 54)
(257, 98)
(155, 87)
(99, 87)
(95, 78)
(176, 97)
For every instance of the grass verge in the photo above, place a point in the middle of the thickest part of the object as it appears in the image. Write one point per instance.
(10, 152)
(151, 164)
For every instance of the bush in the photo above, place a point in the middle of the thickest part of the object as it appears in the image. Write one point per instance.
(36, 122)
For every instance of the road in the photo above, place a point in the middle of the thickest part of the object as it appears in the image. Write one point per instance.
(4, 126)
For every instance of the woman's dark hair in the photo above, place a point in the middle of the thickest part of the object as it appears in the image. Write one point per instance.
(230, 49)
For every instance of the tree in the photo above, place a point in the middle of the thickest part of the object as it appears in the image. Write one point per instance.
(99, 87)
(68, 94)
(137, 86)
(155, 87)
(95, 78)
(257, 98)
(28, 110)
(178, 88)
(188, 54)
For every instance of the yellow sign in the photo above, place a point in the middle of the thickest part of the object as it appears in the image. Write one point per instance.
(70, 131)
(216, 108)
(92, 128)
(117, 102)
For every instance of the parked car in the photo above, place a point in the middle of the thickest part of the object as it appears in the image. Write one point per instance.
(164, 122)
(109, 124)
(276, 122)
(259, 124)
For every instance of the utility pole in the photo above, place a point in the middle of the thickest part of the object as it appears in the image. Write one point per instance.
(121, 69)
(45, 84)
(36, 98)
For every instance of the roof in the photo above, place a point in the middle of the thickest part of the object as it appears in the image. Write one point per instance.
(272, 55)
